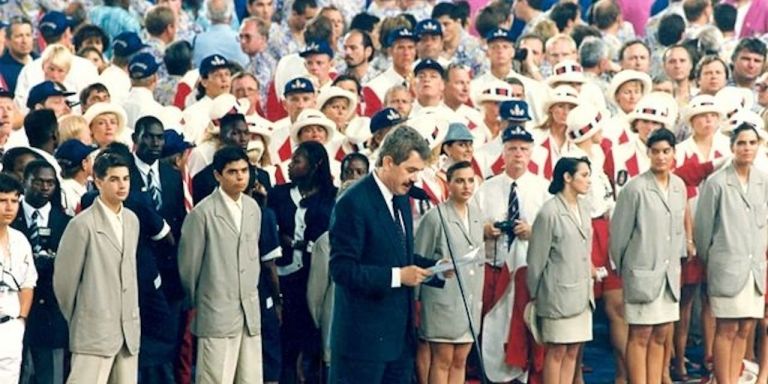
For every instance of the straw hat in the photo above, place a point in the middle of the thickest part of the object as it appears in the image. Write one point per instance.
(583, 122)
(311, 116)
(628, 75)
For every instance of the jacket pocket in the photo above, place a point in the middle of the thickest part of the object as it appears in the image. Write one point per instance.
(642, 285)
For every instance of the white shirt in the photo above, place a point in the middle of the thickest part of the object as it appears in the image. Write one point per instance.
(196, 119)
(115, 220)
(140, 102)
(388, 196)
(200, 157)
(299, 227)
(44, 213)
(235, 208)
(144, 169)
(71, 192)
(117, 82)
(536, 92)
(81, 74)
(16, 264)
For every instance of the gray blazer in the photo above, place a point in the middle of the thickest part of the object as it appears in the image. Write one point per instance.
(730, 231)
(219, 267)
(647, 233)
(442, 309)
(94, 280)
(320, 290)
(559, 274)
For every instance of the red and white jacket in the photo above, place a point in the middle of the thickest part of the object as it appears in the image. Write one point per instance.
(374, 91)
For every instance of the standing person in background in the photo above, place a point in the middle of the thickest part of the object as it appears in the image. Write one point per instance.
(94, 278)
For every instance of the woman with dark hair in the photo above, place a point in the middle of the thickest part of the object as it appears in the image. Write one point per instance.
(559, 275)
(303, 210)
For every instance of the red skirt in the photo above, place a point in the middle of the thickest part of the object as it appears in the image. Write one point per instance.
(600, 258)
(693, 271)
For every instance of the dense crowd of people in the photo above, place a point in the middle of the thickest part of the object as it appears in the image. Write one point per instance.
(382, 191)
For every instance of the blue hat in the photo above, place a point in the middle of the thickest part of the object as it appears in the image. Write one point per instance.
(142, 66)
(400, 33)
(5, 92)
(54, 23)
(499, 34)
(428, 64)
(514, 110)
(127, 43)
(73, 151)
(458, 132)
(174, 143)
(299, 85)
(386, 118)
(212, 63)
(516, 132)
(44, 90)
(428, 27)
(317, 47)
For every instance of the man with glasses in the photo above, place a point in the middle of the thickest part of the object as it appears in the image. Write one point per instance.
(254, 42)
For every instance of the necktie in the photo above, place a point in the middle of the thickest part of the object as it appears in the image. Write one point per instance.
(513, 212)
(154, 191)
(398, 223)
(34, 233)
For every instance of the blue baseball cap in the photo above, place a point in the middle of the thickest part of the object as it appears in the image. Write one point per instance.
(73, 151)
(142, 66)
(39, 93)
(400, 33)
(428, 64)
(299, 85)
(514, 110)
(499, 34)
(5, 92)
(127, 43)
(428, 27)
(516, 132)
(317, 47)
(386, 118)
(212, 63)
(174, 143)
(54, 23)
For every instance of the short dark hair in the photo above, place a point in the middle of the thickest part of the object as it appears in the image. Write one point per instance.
(741, 128)
(158, 18)
(751, 45)
(565, 166)
(300, 6)
(107, 160)
(88, 31)
(367, 42)
(671, 29)
(16, 20)
(178, 58)
(491, 16)
(455, 167)
(319, 29)
(604, 15)
(725, 17)
(36, 165)
(364, 21)
(11, 155)
(350, 157)
(40, 126)
(228, 154)
(399, 144)
(709, 59)
(631, 43)
(581, 31)
(661, 134)
(562, 13)
(9, 184)
(445, 9)
(693, 9)
(347, 77)
(95, 87)
(143, 123)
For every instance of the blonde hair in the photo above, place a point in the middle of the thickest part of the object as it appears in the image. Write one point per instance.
(547, 29)
(72, 127)
(559, 37)
(58, 55)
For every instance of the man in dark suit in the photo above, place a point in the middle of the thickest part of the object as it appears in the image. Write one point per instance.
(234, 132)
(375, 270)
(42, 222)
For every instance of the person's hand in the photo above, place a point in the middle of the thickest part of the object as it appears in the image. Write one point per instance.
(491, 232)
(169, 240)
(412, 275)
(690, 249)
(279, 313)
(522, 230)
(449, 274)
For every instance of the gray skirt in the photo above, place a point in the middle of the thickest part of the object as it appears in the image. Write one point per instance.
(663, 309)
(570, 330)
(748, 303)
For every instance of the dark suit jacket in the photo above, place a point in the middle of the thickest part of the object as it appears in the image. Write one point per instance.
(204, 183)
(371, 320)
(47, 326)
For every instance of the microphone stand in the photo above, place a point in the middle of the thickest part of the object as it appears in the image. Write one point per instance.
(463, 296)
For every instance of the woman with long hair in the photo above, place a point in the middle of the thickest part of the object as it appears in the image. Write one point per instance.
(303, 209)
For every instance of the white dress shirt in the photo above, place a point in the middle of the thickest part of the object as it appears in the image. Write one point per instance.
(144, 169)
(71, 192)
(140, 102)
(117, 82)
(115, 220)
(43, 213)
(16, 263)
(388, 196)
(235, 208)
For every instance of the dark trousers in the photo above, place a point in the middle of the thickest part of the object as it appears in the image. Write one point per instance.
(347, 370)
(43, 365)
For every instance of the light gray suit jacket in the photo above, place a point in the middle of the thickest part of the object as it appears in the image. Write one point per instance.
(442, 309)
(730, 231)
(94, 280)
(647, 236)
(219, 267)
(559, 274)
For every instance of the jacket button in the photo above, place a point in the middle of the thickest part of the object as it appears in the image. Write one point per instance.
(42, 301)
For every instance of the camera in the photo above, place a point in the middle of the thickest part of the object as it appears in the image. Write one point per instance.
(504, 226)
(521, 54)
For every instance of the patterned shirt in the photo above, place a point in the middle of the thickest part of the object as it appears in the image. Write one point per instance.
(262, 65)
(469, 53)
(114, 20)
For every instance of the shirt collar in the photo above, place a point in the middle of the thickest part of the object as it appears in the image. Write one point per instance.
(230, 200)
(45, 210)
(144, 167)
(385, 192)
(115, 215)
